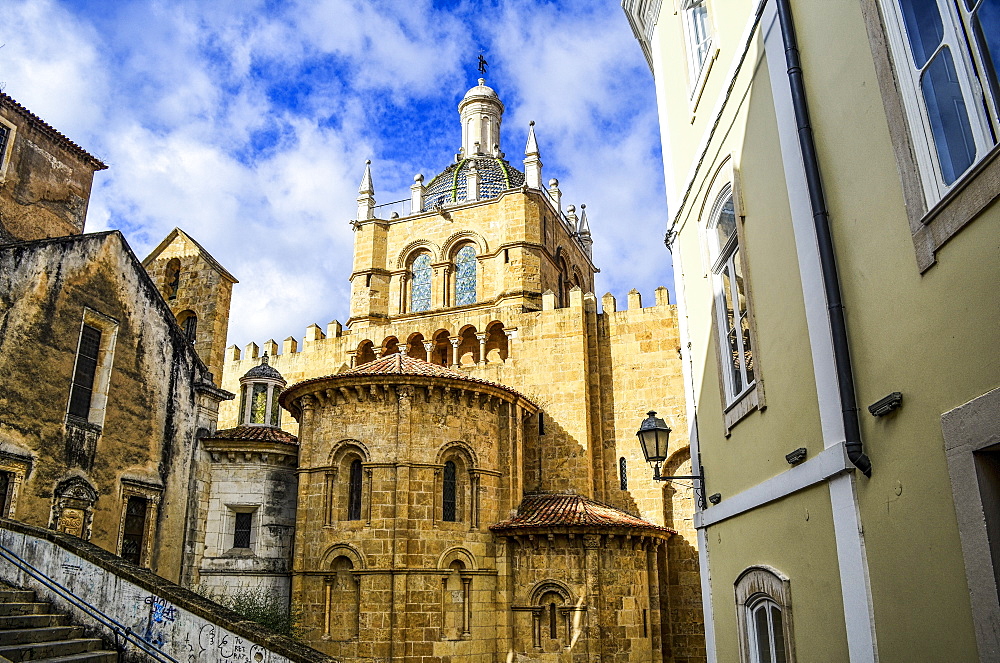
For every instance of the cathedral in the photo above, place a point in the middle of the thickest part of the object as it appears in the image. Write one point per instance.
(453, 473)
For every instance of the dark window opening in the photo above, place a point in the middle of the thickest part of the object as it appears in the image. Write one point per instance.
(623, 475)
(553, 628)
(506, 255)
(173, 278)
(86, 370)
(4, 137)
(988, 472)
(6, 486)
(541, 423)
(354, 494)
(450, 491)
(191, 328)
(135, 529)
(645, 623)
(241, 532)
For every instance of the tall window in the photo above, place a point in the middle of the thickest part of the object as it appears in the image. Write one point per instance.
(946, 57)
(134, 529)
(354, 491)
(697, 35)
(465, 276)
(189, 323)
(86, 370)
(731, 300)
(622, 473)
(420, 283)
(450, 491)
(766, 632)
(4, 138)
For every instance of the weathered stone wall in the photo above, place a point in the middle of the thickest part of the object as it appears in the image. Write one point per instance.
(167, 617)
(140, 436)
(260, 478)
(605, 590)
(203, 288)
(45, 179)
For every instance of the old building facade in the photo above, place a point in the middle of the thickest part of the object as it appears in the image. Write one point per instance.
(833, 176)
(469, 481)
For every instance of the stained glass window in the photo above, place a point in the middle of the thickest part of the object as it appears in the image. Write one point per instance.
(258, 404)
(420, 285)
(465, 276)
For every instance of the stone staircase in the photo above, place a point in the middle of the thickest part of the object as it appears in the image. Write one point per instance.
(31, 631)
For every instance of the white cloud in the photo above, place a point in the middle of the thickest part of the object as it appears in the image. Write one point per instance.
(248, 123)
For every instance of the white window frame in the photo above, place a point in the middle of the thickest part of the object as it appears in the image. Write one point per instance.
(756, 585)
(723, 257)
(697, 70)
(973, 92)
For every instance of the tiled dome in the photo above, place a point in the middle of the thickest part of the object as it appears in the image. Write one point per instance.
(263, 370)
(495, 175)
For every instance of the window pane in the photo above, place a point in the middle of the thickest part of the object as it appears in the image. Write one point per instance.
(243, 404)
(4, 137)
(734, 365)
(762, 633)
(241, 533)
(354, 492)
(420, 285)
(747, 349)
(923, 28)
(726, 225)
(135, 525)
(948, 116)
(779, 635)
(727, 292)
(698, 22)
(275, 408)
(465, 276)
(450, 486)
(986, 29)
(258, 404)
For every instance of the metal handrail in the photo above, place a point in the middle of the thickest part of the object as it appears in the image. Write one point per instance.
(402, 203)
(122, 633)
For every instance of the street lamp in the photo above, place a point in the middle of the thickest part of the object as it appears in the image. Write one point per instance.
(654, 436)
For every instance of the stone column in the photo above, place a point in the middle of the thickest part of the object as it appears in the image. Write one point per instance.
(482, 348)
(429, 348)
(592, 578)
(455, 340)
(466, 607)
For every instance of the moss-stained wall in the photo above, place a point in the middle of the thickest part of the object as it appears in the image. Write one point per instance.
(156, 399)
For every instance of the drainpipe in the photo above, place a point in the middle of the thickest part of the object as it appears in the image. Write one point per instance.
(828, 262)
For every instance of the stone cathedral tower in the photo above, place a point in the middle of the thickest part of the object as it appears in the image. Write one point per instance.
(469, 483)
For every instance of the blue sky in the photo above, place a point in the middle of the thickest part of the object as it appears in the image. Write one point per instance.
(247, 123)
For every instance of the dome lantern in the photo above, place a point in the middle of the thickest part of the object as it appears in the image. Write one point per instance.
(481, 111)
(259, 391)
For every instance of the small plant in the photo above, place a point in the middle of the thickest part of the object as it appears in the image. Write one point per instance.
(260, 605)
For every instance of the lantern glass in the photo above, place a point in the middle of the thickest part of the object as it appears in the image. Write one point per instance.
(654, 436)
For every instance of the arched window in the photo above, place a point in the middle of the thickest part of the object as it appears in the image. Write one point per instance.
(420, 283)
(450, 491)
(173, 278)
(766, 632)
(189, 323)
(342, 601)
(354, 491)
(732, 314)
(465, 275)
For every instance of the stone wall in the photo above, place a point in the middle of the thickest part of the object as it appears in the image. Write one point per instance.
(45, 179)
(169, 618)
(150, 396)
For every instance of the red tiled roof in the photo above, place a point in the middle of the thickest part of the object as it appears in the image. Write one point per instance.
(41, 125)
(557, 510)
(255, 433)
(400, 364)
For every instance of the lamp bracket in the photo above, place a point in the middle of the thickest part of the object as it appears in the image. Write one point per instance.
(698, 488)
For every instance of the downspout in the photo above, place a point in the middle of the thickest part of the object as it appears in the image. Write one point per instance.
(828, 262)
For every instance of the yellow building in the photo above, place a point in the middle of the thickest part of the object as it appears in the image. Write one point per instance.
(469, 485)
(832, 171)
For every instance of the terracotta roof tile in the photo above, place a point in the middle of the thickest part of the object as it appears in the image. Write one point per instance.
(557, 510)
(400, 364)
(50, 131)
(256, 433)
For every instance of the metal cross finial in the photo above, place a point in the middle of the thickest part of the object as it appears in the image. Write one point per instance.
(482, 64)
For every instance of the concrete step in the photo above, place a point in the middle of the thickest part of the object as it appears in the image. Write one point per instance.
(39, 634)
(32, 621)
(96, 656)
(33, 651)
(33, 608)
(11, 595)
